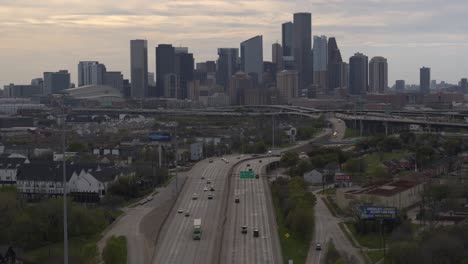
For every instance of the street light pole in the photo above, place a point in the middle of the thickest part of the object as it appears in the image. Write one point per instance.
(64, 184)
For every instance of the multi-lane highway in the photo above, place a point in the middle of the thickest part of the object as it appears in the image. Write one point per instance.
(176, 244)
(254, 211)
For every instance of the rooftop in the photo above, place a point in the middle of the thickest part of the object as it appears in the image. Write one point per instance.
(387, 189)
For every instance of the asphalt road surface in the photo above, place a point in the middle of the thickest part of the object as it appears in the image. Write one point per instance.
(254, 210)
(139, 244)
(326, 228)
(176, 244)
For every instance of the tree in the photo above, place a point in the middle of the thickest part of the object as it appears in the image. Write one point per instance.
(354, 166)
(289, 159)
(407, 137)
(77, 147)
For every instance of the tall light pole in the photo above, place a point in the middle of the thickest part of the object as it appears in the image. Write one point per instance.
(64, 184)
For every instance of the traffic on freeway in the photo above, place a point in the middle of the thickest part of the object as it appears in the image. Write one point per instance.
(190, 231)
(250, 231)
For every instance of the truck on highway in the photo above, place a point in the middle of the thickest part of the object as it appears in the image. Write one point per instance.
(196, 229)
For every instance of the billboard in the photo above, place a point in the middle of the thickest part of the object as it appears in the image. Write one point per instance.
(343, 177)
(159, 136)
(378, 213)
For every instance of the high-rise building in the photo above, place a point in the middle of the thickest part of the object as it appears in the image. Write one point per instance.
(151, 79)
(335, 66)
(320, 63)
(114, 79)
(358, 74)
(302, 48)
(201, 66)
(252, 57)
(239, 82)
(424, 80)
(464, 85)
(171, 85)
(287, 32)
(269, 72)
(320, 53)
(210, 66)
(227, 65)
(183, 65)
(91, 73)
(400, 85)
(287, 83)
(55, 82)
(139, 68)
(277, 56)
(378, 75)
(13, 90)
(165, 64)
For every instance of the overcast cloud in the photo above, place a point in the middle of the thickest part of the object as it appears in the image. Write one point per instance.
(49, 35)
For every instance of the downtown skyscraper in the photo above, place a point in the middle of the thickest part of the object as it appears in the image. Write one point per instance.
(335, 68)
(184, 67)
(302, 48)
(277, 56)
(91, 73)
(287, 30)
(320, 63)
(139, 68)
(378, 75)
(165, 55)
(227, 65)
(425, 80)
(358, 74)
(252, 57)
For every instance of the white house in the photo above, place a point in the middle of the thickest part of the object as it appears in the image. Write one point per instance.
(314, 177)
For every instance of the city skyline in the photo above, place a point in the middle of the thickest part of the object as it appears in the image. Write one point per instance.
(408, 34)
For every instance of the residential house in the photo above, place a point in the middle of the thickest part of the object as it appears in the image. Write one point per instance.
(8, 168)
(314, 177)
(85, 182)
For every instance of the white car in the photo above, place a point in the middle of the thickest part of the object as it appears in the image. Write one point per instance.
(205, 189)
(180, 210)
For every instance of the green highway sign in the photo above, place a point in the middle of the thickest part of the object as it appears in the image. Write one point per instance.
(247, 175)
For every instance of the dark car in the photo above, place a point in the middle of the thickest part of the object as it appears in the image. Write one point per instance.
(244, 230)
(318, 246)
(256, 233)
(236, 200)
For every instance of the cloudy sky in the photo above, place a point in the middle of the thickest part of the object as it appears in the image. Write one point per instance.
(49, 35)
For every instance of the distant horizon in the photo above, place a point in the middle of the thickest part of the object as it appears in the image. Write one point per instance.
(47, 36)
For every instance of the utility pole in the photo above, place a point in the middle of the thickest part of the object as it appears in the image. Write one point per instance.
(176, 154)
(273, 131)
(64, 184)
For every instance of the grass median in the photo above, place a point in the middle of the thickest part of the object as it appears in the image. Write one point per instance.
(115, 251)
(296, 220)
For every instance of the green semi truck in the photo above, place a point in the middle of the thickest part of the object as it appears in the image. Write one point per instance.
(196, 229)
